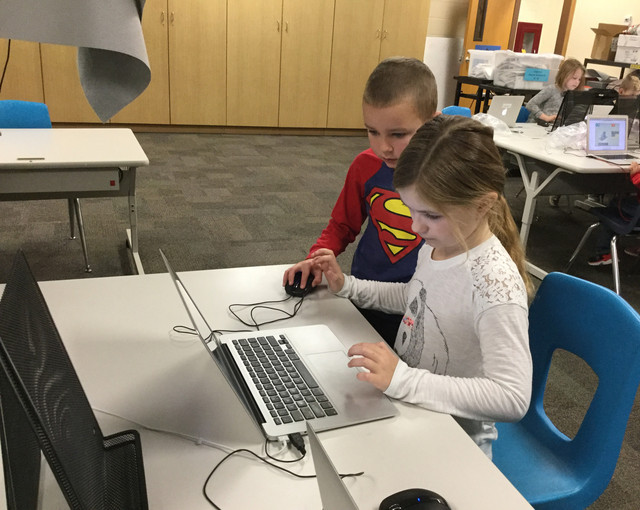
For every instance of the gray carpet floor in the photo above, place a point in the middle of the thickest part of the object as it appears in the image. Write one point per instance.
(214, 201)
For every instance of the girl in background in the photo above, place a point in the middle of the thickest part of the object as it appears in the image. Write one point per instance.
(545, 104)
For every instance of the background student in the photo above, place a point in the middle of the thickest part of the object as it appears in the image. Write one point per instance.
(399, 97)
(626, 207)
(463, 343)
(545, 104)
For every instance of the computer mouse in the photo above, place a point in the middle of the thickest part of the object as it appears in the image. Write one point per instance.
(414, 499)
(542, 123)
(295, 290)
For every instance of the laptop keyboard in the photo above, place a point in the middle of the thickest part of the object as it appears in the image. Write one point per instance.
(617, 156)
(285, 384)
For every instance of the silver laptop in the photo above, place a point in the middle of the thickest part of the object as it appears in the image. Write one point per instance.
(506, 108)
(286, 376)
(607, 139)
(333, 492)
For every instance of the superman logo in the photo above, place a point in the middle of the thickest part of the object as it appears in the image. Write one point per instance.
(393, 222)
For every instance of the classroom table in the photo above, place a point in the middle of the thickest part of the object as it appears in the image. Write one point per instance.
(554, 171)
(43, 164)
(118, 332)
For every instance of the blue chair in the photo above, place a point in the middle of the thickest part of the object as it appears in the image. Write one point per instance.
(551, 470)
(25, 115)
(457, 110)
(523, 115)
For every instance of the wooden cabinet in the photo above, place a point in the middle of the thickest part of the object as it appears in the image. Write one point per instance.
(306, 62)
(278, 62)
(23, 76)
(272, 63)
(384, 28)
(62, 89)
(186, 46)
(152, 106)
(253, 62)
(197, 61)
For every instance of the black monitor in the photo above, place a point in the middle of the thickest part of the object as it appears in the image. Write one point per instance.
(577, 104)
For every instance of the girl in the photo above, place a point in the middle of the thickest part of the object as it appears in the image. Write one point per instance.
(545, 104)
(462, 343)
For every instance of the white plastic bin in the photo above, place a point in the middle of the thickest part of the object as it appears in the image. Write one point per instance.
(510, 68)
(481, 63)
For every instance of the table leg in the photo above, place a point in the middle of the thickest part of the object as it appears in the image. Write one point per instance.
(132, 233)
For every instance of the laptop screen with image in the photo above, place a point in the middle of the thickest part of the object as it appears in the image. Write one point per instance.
(607, 135)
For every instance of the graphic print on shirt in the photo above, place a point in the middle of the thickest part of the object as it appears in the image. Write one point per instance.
(412, 341)
(393, 222)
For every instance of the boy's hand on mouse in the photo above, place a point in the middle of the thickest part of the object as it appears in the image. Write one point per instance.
(378, 359)
(306, 268)
(325, 261)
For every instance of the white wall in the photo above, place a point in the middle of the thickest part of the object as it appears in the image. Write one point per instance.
(546, 12)
(591, 12)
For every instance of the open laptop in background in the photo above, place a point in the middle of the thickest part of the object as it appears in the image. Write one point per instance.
(333, 492)
(506, 108)
(286, 376)
(607, 139)
(577, 104)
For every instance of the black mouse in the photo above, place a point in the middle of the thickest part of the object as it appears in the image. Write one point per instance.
(414, 499)
(542, 123)
(294, 288)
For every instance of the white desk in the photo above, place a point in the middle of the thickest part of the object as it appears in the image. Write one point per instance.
(118, 333)
(555, 172)
(38, 164)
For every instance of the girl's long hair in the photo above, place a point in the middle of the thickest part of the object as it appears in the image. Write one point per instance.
(453, 161)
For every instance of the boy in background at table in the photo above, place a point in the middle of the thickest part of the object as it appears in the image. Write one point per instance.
(399, 97)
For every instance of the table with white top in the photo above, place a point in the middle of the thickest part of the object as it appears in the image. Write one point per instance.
(136, 368)
(554, 171)
(39, 164)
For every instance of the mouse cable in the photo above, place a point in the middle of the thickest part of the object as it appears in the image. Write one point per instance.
(186, 330)
(280, 468)
(262, 305)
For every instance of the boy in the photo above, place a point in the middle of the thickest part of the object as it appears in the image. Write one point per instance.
(399, 97)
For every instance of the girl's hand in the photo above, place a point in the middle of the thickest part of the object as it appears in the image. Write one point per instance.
(325, 261)
(548, 118)
(635, 168)
(378, 359)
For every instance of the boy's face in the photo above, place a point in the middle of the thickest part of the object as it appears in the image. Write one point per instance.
(390, 128)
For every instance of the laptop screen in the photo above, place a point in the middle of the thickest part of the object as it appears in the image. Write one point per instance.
(606, 134)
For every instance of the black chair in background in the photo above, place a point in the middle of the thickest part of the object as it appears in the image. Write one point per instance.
(43, 407)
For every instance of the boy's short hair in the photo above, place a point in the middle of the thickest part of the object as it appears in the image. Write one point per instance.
(397, 78)
(566, 69)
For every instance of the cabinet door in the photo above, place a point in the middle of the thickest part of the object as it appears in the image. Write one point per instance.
(152, 106)
(404, 28)
(253, 62)
(197, 61)
(62, 90)
(356, 48)
(23, 76)
(307, 29)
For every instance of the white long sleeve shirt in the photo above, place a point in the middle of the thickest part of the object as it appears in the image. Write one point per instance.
(463, 342)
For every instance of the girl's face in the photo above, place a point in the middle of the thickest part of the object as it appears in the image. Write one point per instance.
(573, 81)
(444, 233)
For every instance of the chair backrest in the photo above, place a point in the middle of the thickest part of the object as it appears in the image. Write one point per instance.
(44, 407)
(23, 114)
(457, 110)
(601, 328)
(523, 115)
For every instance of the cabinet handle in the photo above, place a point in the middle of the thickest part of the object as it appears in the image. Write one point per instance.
(286, 26)
(384, 34)
(171, 18)
(278, 25)
(162, 18)
(378, 34)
